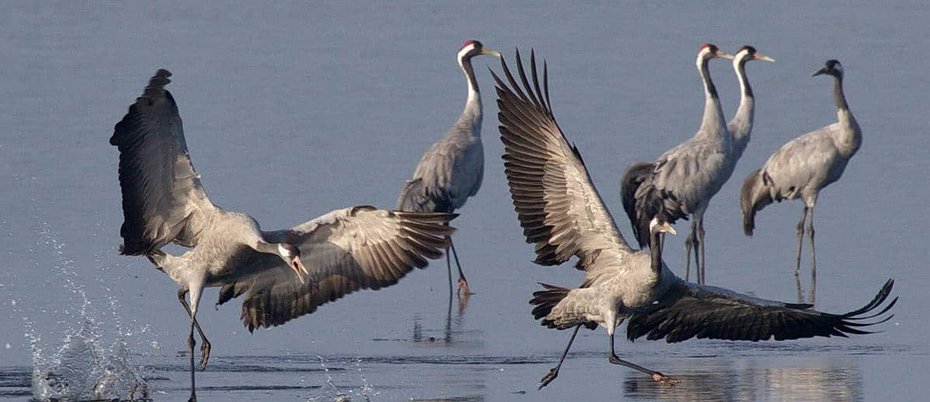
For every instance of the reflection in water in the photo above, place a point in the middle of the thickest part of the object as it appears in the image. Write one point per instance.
(812, 295)
(830, 380)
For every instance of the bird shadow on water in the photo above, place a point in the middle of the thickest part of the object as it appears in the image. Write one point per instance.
(747, 380)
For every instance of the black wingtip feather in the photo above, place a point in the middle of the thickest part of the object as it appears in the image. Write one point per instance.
(720, 318)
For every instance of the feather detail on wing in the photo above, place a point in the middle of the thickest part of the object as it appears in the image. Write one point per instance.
(163, 200)
(706, 312)
(344, 251)
(557, 205)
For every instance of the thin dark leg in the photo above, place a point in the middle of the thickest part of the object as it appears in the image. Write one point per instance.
(689, 242)
(657, 376)
(205, 346)
(700, 251)
(463, 283)
(810, 231)
(797, 283)
(190, 347)
(449, 269)
(797, 266)
(554, 372)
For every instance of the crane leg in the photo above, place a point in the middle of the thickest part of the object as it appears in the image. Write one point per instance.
(810, 231)
(657, 376)
(690, 242)
(797, 266)
(699, 253)
(554, 372)
(463, 283)
(205, 346)
(195, 290)
(449, 269)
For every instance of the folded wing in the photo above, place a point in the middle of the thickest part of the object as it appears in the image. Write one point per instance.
(344, 251)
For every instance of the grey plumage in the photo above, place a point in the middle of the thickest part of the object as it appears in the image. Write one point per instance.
(164, 202)
(804, 166)
(451, 170)
(563, 215)
(684, 178)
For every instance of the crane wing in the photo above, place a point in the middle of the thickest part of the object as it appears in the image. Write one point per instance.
(706, 312)
(557, 205)
(344, 251)
(163, 200)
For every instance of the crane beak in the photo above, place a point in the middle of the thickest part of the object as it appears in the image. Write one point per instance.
(299, 269)
(762, 57)
(723, 55)
(491, 52)
(819, 72)
(667, 228)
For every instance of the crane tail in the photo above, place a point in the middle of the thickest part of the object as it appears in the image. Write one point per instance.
(632, 179)
(753, 198)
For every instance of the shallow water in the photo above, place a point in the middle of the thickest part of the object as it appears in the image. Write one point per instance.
(295, 109)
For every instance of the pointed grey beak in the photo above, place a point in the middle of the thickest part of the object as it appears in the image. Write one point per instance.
(491, 52)
(819, 72)
(762, 57)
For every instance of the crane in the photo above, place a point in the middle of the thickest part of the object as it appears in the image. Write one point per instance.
(284, 274)
(451, 170)
(563, 215)
(804, 166)
(682, 181)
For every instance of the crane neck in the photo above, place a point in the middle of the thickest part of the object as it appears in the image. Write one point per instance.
(474, 94)
(713, 112)
(744, 87)
(838, 97)
(741, 124)
(470, 120)
(655, 251)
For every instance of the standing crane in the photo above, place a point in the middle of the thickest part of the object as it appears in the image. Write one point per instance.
(804, 166)
(450, 171)
(562, 213)
(284, 274)
(683, 180)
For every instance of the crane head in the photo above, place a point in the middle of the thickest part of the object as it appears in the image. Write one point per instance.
(291, 255)
(710, 51)
(750, 53)
(831, 67)
(472, 48)
(657, 225)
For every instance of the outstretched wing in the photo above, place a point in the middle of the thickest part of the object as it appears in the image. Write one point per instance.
(696, 311)
(344, 251)
(558, 206)
(163, 200)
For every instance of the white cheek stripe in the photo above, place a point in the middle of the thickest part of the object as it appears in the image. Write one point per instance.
(283, 251)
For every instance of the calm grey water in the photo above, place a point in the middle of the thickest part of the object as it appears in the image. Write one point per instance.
(297, 108)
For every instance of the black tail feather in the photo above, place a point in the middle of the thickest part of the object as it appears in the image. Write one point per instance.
(753, 198)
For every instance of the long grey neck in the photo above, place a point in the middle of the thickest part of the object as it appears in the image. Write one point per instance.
(267, 248)
(740, 126)
(851, 137)
(470, 120)
(838, 97)
(713, 112)
(655, 251)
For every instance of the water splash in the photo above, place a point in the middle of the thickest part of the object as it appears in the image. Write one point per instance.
(82, 367)
(334, 394)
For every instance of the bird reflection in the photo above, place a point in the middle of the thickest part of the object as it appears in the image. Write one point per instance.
(839, 380)
(447, 332)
